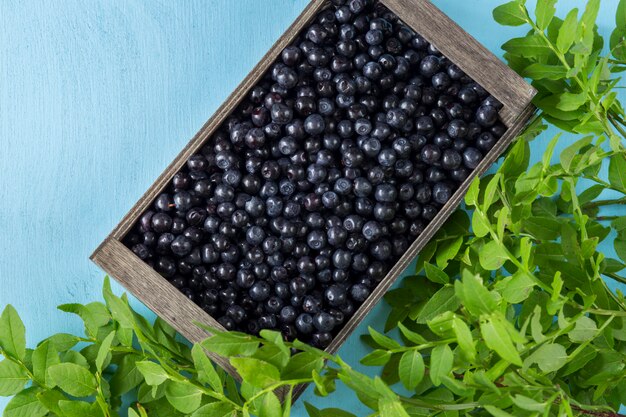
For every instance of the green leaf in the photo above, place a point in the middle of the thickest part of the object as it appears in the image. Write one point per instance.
(464, 338)
(255, 372)
(442, 301)
(119, 309)
(411, 335)
(480, 225)
(567, 32)
(435, 274)
(377, 357)
(50, 399)
(269, 406)
(103, 352)
(498, 339)
(312, 410)
(44, 357)
(411, 369)
(568, 154)
(570, 101)
(544, 13)
(490, 195)
(391, 408)
(71, 356)
(216, 409)
(183, 396)
(383, 340)
(324, 384)
(12, 333)
(517, 288)
(79, 409)
(73, 379)
(492, 256)
(471, 196)
(527, 403)
(617, 171)
(302, 365)
(620, 248)
(531, 46)
(153, 373)
(584, 329)
(206, 371)
(591, 13)
(12, 378)
(475, 297)
(25, 404)
(496, 412)
(231, 344)
(273, 354)
(441, 361)
(538, 71)
(510, 14)
(587, 354)
(549, 357)
(94, 315)
(620, 15)
(63, 342)
(126, 377)
(448, 250)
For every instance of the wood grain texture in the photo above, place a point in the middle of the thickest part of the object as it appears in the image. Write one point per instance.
(147, 285)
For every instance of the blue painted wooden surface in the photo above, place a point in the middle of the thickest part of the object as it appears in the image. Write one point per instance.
(95, 100)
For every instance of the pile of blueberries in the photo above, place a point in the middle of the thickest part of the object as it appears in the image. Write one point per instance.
(323, 176)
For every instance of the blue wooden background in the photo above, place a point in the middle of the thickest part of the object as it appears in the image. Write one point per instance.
(95, 100)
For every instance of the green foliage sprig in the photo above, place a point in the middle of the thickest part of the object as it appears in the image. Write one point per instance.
(507, 314)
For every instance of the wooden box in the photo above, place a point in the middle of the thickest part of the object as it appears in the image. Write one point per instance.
(428, 21)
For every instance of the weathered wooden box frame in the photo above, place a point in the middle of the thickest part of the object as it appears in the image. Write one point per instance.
(421, 15)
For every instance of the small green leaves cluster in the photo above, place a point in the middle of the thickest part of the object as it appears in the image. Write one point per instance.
(120, 354)
(563, 59)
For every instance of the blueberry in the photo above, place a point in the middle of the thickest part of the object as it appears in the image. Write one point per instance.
(430, 154)
(385, 193)
(236, 313)
(373, 71)
(342, 259)
(472, 157)
(181, 246)
(429, 65)
(336, 235)
(161, 223)
(485, 141)
(359, 293)
(281, 113)
(457, 129)
(451, 159)
(335, 295)
(387, 157)
(304, 323)
(321, 340)
(314, 124)
(316, 173)
(486, 115)
(287, 314)
(323, 321)
(260, 291)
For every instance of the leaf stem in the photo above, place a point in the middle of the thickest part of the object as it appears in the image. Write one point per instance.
(616, 277)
